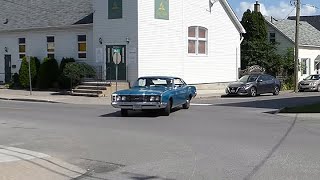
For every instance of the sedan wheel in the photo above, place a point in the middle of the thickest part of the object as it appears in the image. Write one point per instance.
(276, 91)
(187, 104)
(253, 92)
(167, 110)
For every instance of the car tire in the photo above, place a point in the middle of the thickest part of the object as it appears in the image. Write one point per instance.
(167, 109)
(124, 113)
(187, 104)
(253, 92)
(276, 90)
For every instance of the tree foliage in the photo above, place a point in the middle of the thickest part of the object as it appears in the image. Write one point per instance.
(48, 73)
(24, 72)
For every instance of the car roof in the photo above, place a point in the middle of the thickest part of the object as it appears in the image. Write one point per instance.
(164, 77)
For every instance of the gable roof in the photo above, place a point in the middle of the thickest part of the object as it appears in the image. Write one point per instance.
(313, 20)
(232, 16)
(26, 14)
(308, 35)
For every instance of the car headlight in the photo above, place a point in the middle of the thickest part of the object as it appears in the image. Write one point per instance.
(118, 98)
(154, 98)
(247, 86)
(313, 84)
(123, 98)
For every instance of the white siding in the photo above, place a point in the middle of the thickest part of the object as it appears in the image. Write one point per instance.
(161, 42)
(36, 45)
(308, 53)
(115, 31)
(222, 62)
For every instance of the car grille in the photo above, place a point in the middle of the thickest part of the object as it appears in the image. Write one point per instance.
(136, 98)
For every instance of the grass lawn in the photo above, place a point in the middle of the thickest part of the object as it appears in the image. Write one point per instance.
(313, 108)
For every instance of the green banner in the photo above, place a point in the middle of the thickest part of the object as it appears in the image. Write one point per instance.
(114, 9)
(161, 9)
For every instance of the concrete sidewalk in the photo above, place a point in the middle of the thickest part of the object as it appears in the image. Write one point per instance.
(56, 97)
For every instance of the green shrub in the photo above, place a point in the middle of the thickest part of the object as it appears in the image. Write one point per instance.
(76, 71)
(288, 83)
(24, 72)
(15, 83)
(48, 73)
(64, 82)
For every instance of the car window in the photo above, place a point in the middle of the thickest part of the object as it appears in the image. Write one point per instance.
(178, 82)
(151, 82)
(313, 77)
(252, 78)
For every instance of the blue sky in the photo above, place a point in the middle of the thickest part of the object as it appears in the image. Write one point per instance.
(276, 8)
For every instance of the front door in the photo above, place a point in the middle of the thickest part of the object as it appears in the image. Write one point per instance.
(7, 68)
(111, 66)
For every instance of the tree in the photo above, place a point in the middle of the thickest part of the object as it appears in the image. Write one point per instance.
(48, 73)
(24, 72)
(255, 49)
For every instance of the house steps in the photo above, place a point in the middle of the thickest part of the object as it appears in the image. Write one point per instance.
(92, 88)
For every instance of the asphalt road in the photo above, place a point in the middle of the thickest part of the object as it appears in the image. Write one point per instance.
(218, 138)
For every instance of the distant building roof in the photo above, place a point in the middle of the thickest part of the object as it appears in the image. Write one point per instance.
(308, 36)
(26, 14)
(313, 20)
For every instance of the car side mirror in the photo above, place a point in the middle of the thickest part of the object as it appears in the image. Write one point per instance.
(260, 80)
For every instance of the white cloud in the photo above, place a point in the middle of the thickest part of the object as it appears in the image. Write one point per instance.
(280, 11)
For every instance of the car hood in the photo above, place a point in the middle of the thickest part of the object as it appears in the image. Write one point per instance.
(238, 84)
(142, 91)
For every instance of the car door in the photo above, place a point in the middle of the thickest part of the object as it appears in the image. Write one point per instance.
(179, 91)
(270, 83)
(262, 84)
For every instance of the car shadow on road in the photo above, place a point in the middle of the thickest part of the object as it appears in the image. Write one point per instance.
(275, 103)
(143, 114)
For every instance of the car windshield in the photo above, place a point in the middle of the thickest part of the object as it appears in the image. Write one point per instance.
(248, 78)
(313, 77)
(152, 82)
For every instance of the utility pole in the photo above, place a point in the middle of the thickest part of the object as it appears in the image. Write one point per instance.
(296, 49)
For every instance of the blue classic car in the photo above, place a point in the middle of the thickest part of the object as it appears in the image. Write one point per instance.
(154, 92)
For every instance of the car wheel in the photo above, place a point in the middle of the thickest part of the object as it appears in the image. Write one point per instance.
(187, 104)
(124, 112)
(253, 92)
(276, 90)
(167, 109)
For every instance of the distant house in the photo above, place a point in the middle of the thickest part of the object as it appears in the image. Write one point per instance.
(283, 32)
(192, 39)
(313, 20)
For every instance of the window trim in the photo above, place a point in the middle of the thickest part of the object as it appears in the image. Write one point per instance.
(273, 40)
(25, 47)
(197, 39)
(54, 46)
(86, 42)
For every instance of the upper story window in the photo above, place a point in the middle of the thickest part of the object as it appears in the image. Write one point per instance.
(197, 40)
(82, 46)
(114, 9)
(272, 37)
(50, 47)
(22, 48)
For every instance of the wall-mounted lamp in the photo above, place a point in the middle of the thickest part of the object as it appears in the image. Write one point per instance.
(100, 40)
(6, 49)
(128, 40)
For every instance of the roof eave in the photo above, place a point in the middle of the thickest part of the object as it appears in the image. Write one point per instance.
(233, 16)
(48, 27)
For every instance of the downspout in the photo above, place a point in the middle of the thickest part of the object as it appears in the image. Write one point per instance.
(237, 52)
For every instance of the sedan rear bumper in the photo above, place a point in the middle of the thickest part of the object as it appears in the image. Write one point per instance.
(139, 105)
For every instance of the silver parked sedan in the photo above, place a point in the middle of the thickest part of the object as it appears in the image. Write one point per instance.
(310, 83)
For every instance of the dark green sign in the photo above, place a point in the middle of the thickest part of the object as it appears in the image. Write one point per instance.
(161, 9)
(114, 9)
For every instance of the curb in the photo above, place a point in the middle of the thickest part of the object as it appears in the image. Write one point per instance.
(28, 100)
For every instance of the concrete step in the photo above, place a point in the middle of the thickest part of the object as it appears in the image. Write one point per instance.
(88, 83)
(91, 87)
(88, 91)
(86, 94)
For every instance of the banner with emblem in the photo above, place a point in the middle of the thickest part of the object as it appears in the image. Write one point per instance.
(161, 9)
(114, 9)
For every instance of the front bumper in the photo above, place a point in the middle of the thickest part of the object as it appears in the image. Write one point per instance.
(139, 105)
(307, 87)
(237, 91)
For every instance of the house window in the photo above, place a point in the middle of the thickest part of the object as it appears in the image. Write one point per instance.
(272, 37)
(305, 66)
(50, 47)
(82, 46)
(197, 40)
(114, 9)
(22, 48)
